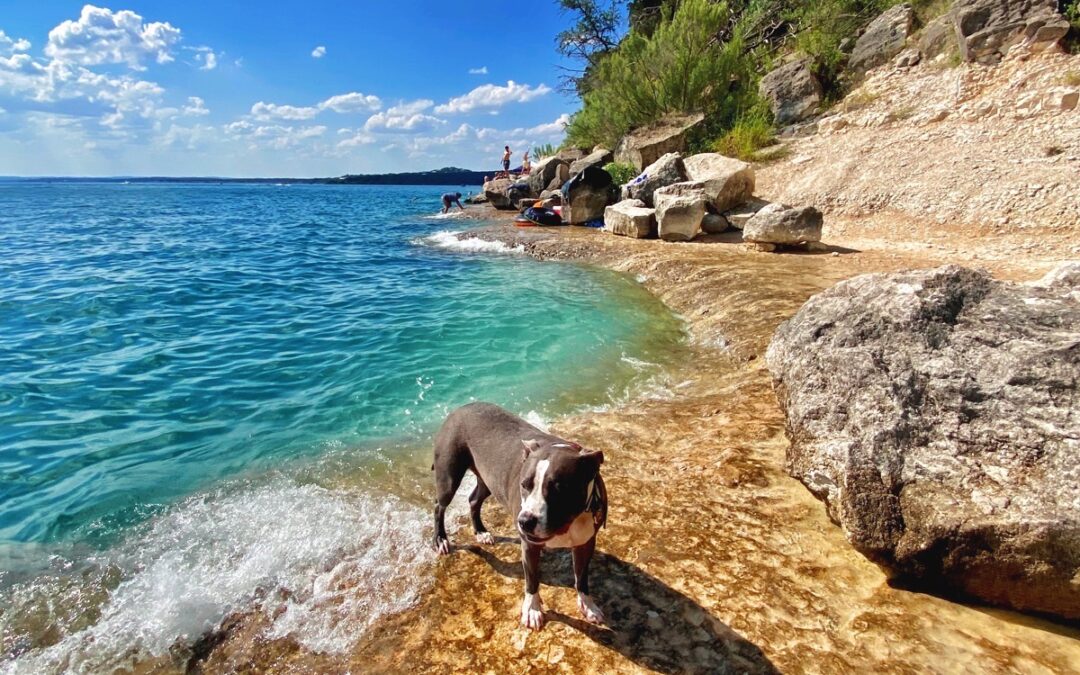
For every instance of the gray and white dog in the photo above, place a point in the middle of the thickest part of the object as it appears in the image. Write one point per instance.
(552, 487)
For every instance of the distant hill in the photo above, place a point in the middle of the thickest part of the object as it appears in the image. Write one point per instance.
(450, 175)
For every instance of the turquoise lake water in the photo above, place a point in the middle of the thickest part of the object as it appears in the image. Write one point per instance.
(177, 357)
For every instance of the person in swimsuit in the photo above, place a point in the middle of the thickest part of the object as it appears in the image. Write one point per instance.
(506, 160)
(526, 166)
(451, 198)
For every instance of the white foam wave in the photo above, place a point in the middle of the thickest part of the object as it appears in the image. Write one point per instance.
(324, 564)
(537, 420)
(449, 240)
(449, 215)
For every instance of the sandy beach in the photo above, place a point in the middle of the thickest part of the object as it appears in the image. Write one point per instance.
(715, 560)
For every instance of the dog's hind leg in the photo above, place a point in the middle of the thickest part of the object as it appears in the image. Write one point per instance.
(450, 468)
(476, 502)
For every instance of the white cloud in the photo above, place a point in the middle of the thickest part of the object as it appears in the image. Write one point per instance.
(387, 122)
(405, 116)
(101, 36)
(492, 96)
(556, 128)
(190, 138)
(207, 59)
(196, 107)
(482, 70)
(9, 45)
(357, 139)
(318, 52)
(280, 137)
(352, 102)
(267, 111)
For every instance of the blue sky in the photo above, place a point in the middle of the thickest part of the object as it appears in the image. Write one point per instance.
(312, 88)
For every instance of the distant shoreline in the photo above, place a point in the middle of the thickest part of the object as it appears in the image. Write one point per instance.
(445, 176)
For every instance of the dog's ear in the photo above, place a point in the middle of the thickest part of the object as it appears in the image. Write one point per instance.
(529, 445)
(596, 456)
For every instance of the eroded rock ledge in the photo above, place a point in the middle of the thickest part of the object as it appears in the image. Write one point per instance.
(935, 413)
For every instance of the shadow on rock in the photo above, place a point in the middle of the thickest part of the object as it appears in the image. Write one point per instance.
(649, 622)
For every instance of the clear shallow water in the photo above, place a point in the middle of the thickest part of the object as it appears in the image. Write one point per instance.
(184, 367)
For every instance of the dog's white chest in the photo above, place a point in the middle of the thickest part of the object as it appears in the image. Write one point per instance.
(581, 530)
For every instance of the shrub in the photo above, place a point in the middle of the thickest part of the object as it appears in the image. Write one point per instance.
(542, 151)
(621, 172)
(681, 67)
(751, 132)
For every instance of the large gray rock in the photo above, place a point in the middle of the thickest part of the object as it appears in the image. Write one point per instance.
(544, 172)
(988, 28)
(495, 191)
(666, 170)
(714, 223)
(938, 37)
(793, 92)
(728, 182)
(741, 214)
(587, 195)
(598, 158)
(630, 218)
(780, 224)
(883, 39)
(644, 146)
(680, 209)
(935, 413)
(562, 174)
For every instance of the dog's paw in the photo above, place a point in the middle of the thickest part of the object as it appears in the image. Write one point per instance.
(532, 612)
(485, 538)
(589, 610)
(442, 546)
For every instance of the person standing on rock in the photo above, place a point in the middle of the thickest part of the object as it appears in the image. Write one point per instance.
(451, 198)
(526, 166)
(506, 160)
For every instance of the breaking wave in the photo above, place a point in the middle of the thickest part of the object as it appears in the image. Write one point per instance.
(449, 240)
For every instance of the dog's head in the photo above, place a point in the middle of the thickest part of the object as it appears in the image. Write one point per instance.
(556, 484)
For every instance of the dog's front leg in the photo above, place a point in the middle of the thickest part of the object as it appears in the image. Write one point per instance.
(582, 555)
(532, 610)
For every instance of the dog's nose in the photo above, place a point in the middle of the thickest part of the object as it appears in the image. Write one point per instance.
(527, 522)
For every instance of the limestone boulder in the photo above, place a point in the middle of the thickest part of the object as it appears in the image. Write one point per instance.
(780, 224)
(793, 91)
(598, 158)
(883, 39)
(741, 214)
(986, 29)
(666, 170)
(728, 182)
(935, 414)
(680, 209)
(645, 145)
(562, 174)
(570, 155)
(630, 218)
(586, 195)
(495, 191)
(938, 37)
(544, 173)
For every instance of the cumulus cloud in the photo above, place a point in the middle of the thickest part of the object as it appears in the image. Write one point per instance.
(482, 70)
(196, 107)
(207, 59)
(355, 140)
(556, 128)
(318, 52)
(101, 36)
(352, 102)
(268, 111)
(406, 116)
(492, 96)
(10, 45)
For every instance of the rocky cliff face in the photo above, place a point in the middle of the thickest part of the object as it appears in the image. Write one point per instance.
(936, 414)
